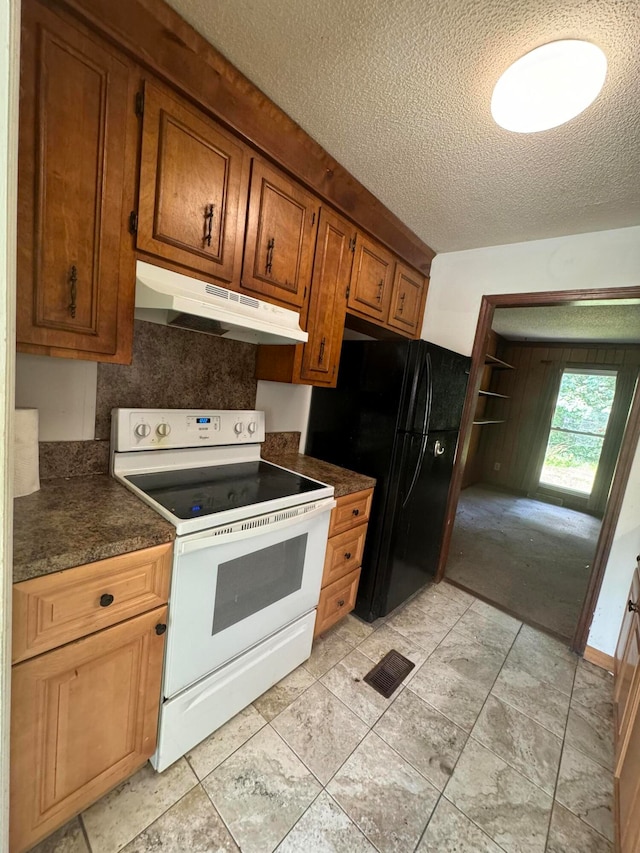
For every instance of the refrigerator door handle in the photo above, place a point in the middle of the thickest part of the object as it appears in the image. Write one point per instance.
(428, 397)
(416, 473)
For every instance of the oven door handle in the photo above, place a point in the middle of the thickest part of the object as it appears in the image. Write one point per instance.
(255, 527)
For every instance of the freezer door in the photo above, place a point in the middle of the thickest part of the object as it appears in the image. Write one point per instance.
(450, 373)
(418, 516)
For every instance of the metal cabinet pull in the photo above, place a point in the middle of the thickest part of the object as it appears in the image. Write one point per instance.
(341, 602)
(160, 629)
(355, 512)
(380, 289)
(106, 599)
(347, 555)
(632, 607)
(270, 247)
(208, 223)
(439, 449)
(402, 298)
(73, 283)
(321, 353)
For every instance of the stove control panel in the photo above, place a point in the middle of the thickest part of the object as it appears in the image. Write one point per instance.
(149, 429)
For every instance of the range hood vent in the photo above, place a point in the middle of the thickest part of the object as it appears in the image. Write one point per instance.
(172, 299)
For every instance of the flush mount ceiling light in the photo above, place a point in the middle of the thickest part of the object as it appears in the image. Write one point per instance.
(548, 86)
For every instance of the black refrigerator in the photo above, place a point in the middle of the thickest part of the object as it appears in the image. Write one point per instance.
(395, 416)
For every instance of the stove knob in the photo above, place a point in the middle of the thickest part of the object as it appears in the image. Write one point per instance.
(252, 427)
(237, 428)
(163, 430)
(142, 430)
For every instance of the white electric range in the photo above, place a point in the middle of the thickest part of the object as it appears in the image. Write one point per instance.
(248, 559)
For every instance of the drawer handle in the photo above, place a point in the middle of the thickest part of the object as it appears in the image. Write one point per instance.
(208, 223)
(341, 602)
(347, 556)
(271, 244)
(73, 286)
(355, 512)
(402, 298)
(106, 599)
(633, 607)
(380, 289)
(160, 629)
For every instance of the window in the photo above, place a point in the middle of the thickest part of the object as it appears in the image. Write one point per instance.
(578, 428)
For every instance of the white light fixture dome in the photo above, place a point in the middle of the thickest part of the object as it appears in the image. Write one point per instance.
(549, 86)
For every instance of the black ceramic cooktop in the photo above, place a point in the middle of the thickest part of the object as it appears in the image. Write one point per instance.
(195, 492)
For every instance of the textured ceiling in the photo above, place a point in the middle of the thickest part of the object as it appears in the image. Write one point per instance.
(398, 91)
(586, 322)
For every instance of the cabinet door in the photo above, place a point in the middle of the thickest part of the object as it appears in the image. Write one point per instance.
(83, 718)
(627, 660)
(193, 188)
(76, 178)
(371, 280)
(280, 237)
(407, 300)
(328, 299)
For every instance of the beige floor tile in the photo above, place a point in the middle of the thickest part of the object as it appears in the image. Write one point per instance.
(376, 646)
(206, 756)
(321, 730)
(422, 736)
(469, 659)
(449, 831)
(68, 839)
(568, 834)
(281, 695)
(387, 799)
(353, 630)
(420, 629)
(598, 671)
(437, 604)
(326, 652)
(551, 670)
(131, 807)
(482, 626)
(325, 828)
(261, 791)
(345, 681)
(191, 825)
(594, 692)
(532, 638)
(509, 808)
(545, 705)
(524, 744)
(458, 698)
(455, 592)
(586, 789)
(591, 734)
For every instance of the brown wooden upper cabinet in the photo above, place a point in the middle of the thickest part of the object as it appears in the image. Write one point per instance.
(316, 362)
(407, 300)
(76, 184)
(371, 280)
(194, 179)
(280, 237)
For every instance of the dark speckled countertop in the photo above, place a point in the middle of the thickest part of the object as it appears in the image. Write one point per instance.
(69, 522)
(344, 482)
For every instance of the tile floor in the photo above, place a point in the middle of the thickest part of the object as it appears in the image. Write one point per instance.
(500, 739)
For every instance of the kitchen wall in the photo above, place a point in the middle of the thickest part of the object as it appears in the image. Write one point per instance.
(582, 261)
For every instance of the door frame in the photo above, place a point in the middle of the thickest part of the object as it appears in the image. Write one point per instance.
(625, 458)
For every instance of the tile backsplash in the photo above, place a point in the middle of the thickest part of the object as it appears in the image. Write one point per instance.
(175, 368)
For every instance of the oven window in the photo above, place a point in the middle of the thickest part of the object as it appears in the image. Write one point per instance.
(250, 583)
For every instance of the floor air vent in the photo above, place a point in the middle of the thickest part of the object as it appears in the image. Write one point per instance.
(387, 675)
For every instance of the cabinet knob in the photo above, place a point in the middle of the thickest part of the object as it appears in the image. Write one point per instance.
(632, 606)
(347, 555)
(341, 602)
(355, 512)
(160, 629)
(106, 599)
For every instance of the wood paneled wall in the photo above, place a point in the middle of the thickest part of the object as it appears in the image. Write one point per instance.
(509, 443)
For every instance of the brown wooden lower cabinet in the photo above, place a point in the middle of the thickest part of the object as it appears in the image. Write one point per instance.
(84, 715)
(347, 534)
(627, 726)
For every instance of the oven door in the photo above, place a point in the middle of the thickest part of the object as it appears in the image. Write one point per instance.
(234, 587)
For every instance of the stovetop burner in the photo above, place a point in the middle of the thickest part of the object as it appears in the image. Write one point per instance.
(196, 492)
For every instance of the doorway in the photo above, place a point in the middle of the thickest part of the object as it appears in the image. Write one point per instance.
(543, 463)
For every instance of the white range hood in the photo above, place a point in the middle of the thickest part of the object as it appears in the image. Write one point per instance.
(172, 299)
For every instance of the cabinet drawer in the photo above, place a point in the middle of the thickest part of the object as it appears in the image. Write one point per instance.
(336, 600)
(344, 553)
(350, 511)
(54, 609)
